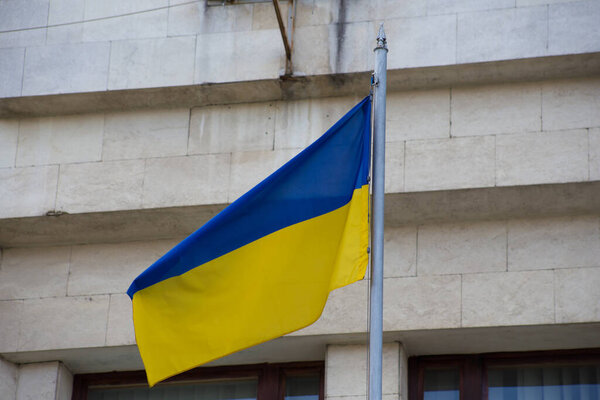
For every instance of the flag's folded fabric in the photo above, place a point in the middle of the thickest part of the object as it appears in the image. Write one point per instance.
(265, 265)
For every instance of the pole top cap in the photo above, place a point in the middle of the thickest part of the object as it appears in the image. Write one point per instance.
(381, 39)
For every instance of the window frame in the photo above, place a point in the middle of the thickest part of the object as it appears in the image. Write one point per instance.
(271, 377)
(473, 367)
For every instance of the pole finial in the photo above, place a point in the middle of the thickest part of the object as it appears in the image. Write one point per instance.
(381, 39)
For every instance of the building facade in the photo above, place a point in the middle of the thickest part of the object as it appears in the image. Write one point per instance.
(124, 126)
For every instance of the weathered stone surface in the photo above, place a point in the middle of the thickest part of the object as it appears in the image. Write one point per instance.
(9, 373)
(571, 104)
(496, 109)
(464, 6)
(566, 242)
(105, 186)
(422, 114)
(63, 323)
(198, 18)
(110, 268)
(128, 27)
(11, 71)
(26, 38)
(151, 63)
(10, 328)
(144, 134)
(394, 167)
(191, 180)
(502, 34)
(66, 68)
(27, 191)
(573, 27)
(460, 248)
(9, 132)
(251, 167)
(57, 140)
(508, 298)
(594, 154)
(428, 302)
(234, 56)
(449, 163)
(21, 15)
(577, 295)
(400, 250)
(547, 157)
(225, 129)
(119, 331)
(299, 123)
(433, 41)
(65, 11)
(108, 8)
(34, 272)
(38, 381)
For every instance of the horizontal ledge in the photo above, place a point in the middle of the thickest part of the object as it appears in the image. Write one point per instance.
(299, 87)
(309, 348)
(400, 209)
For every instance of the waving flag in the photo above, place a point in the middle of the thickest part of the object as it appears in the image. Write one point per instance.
(265, 265)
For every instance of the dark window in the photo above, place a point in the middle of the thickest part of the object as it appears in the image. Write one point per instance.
(555, 375)
(291, 381)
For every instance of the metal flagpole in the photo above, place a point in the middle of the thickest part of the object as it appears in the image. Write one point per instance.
(376, 301)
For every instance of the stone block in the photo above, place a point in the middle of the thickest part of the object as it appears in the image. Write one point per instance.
(22, 15)
(9, 132)
(455, 163)
(420, 114)
(263, 15)
(144, 134)
(66, 68)
(105, 186)
(432, 41)
(427, 302)
(496, 109)
(29, 191)
(400, 252)
(573, 27)
(311, 12)
(508, 298)
(44, 381)
(350, 47)
(11, 72)
(34, 272)
(72, 33)
(577, 295)
(236, 127)
(346, 369)
(308, 58)
(594, 154)
(26, 38)
(38, 381)
(8, 379)
(345, 312)
(459, 248)
(129, 27)
(151, 63)
(394, 167)
(10, 328)
(528, 3)
(192, 180)
(503, 34)
(571, 104)
(251, 167)
(435, 7)
(111, 8)
(197, 18)
(65, 11)
(234, 56)
(549, 243)
(63, 323)
(547, 157)
(110, 268)
(120, 330)
(301, 122)
(56, 140)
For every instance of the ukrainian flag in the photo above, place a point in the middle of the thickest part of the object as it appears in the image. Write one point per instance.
(265, 265)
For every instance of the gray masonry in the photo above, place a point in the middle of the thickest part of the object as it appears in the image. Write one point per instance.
(126, 125)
